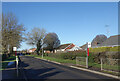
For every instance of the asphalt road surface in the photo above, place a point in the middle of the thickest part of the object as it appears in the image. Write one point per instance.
(39, 69)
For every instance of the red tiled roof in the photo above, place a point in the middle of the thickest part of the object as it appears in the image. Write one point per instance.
(33, 49)
(63, 46)
(70, 46)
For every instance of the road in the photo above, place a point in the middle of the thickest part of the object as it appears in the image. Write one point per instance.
(39, 69)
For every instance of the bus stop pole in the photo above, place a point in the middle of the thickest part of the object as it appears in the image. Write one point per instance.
(16, 62)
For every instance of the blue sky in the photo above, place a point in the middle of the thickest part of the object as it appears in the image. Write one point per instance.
(73, 22)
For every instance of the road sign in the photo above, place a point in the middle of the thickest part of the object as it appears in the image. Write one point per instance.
(88, 51)
(14, 48)
(88, 44)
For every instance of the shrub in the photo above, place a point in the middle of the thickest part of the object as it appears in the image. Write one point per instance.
(4, 56)
(113, 54)
(68, 55)
(94, 56)
(105, 49)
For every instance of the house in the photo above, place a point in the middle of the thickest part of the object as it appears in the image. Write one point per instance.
(47, 51)
(83, 46)
(31, 50)
(109, 42)
(75, 48)
(67, 47)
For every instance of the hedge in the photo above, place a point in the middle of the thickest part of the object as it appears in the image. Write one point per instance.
(93, 56)
(105, 49)
(69, 55)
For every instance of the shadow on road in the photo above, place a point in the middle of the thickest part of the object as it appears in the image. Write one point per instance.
(33, 69)
(42, 73)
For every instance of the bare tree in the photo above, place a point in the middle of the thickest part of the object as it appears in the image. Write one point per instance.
(0, 33)
(51, 41)
(11, 32)
(35, 37)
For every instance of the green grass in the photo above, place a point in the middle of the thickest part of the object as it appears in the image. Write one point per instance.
(111, 67)
(107, 67)
(60, 60)
(55, 59)
(94, 65)
(5, 62)
(110, 72)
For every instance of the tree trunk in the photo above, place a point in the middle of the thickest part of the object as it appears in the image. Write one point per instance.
(53, 49)
(11, 50)
(37, 52)
(38, 47)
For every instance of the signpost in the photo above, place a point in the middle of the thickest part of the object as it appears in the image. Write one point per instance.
(87, 51)
(88, 46)
(15, 49)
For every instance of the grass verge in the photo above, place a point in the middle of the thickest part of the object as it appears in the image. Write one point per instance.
(5, 62)
(55, 59)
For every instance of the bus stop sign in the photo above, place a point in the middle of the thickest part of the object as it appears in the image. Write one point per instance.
(14, 48)
(88, 44)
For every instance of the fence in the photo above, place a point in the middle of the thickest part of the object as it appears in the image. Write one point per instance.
(105, 64)
(110, 64)
(81, 61)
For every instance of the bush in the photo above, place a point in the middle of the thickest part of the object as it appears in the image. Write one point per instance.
(4, 56)
(68, 55)
(91, 57)
(113, 54)
(94, 56)
(105, 49)
(116, 48)
(45, 54)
